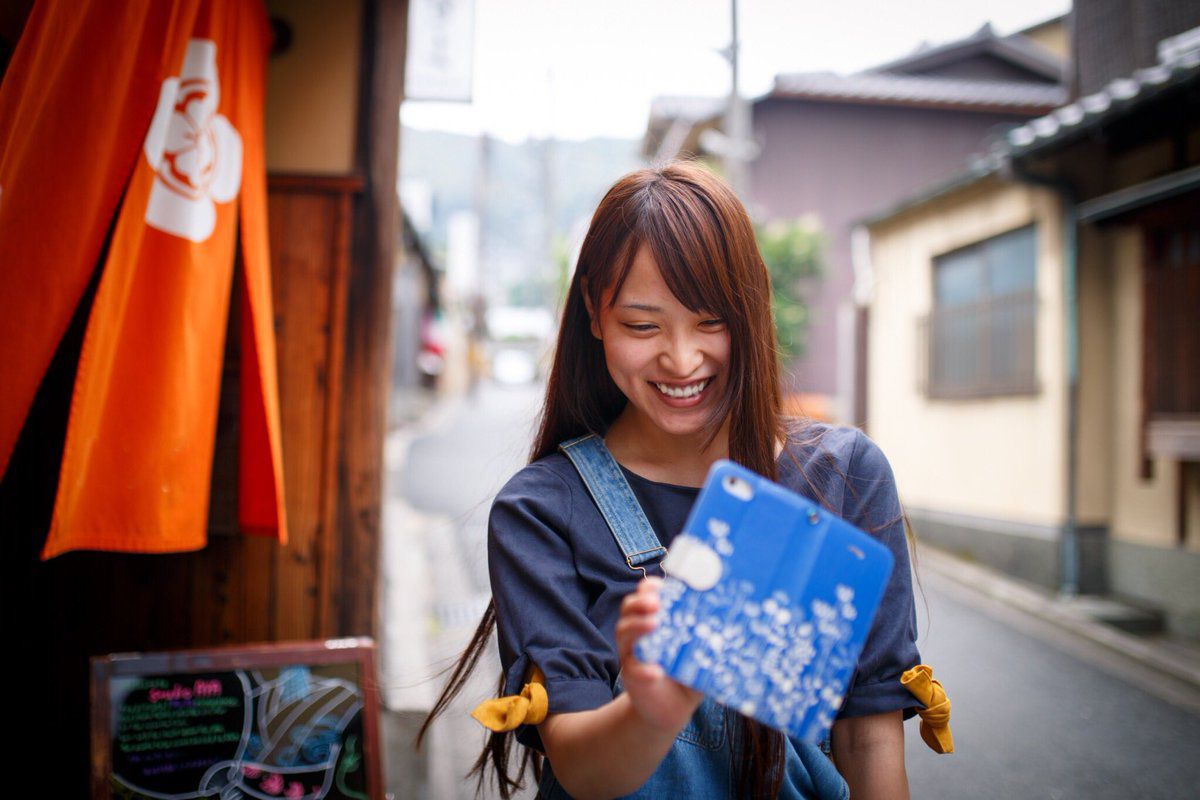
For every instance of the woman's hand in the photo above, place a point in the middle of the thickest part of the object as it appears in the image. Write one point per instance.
(612, 750)
(659, 700)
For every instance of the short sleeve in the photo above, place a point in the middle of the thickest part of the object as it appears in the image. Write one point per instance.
(871, 502)
(541, 603)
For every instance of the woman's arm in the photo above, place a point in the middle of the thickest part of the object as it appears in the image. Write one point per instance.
(606, 752)
(612, 750)
(869, 752)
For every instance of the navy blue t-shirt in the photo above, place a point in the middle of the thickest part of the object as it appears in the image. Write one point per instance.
(558, 576)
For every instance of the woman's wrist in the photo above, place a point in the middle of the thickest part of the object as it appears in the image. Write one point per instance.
(658, 726)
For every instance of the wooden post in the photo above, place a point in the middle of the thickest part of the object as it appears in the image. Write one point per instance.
(366, 376)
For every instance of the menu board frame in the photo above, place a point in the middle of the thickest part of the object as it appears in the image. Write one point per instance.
(360, 651)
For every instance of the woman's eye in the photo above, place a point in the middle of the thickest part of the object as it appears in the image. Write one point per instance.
(642, 328)
(712, 322)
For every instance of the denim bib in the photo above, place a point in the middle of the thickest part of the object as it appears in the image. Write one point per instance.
(698, 764)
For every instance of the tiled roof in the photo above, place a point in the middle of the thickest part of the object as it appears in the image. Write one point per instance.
(1016, 49)
(976, 170)
(918, 90)
(1179, 62)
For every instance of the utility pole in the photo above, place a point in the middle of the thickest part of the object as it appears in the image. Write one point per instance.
(737, 119)
(546, 283)
(546, 276)
(733, 146)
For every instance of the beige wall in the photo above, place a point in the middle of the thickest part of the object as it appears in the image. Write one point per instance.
(1005, 458)
(1052, 36)
(1143, 511)
(312, 89)
(1002, 457)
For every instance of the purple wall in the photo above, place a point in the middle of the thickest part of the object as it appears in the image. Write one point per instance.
(843, 162)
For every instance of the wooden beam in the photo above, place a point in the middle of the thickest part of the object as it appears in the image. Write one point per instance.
(366, 364)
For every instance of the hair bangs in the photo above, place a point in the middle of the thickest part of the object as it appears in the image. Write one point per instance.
(685, 236)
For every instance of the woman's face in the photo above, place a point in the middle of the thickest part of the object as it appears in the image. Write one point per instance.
(671, 363)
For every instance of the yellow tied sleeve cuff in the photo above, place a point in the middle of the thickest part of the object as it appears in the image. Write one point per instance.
(935, 717)
(527, 708)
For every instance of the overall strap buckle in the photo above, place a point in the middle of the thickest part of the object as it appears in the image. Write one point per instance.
(615, 499)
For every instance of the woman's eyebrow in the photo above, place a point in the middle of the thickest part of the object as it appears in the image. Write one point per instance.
(642, 307)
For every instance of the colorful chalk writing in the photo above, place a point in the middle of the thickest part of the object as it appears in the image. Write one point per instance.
(289, 732)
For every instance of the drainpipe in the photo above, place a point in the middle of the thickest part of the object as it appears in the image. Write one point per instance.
(1069, 537)
(1070, 534)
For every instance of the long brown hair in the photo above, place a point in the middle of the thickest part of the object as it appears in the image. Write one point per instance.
(703, 242)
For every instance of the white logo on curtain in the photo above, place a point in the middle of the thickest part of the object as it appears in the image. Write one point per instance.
(196, 152)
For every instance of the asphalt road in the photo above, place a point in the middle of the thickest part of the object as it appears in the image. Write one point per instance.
(1038, 714)
(1035, 714)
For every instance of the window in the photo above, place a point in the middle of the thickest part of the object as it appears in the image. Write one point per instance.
(1171, 345)
(979, 339)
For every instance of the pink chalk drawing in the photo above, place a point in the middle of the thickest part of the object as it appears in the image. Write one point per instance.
(273, 784)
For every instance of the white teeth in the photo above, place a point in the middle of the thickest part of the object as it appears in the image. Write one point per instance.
(688, 391)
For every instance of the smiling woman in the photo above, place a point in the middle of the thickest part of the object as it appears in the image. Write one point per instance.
(665, 363)
(668, 360)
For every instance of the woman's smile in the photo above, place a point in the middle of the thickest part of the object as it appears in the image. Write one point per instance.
(683, 395)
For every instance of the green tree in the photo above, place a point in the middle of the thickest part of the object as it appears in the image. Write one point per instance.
(794, 252)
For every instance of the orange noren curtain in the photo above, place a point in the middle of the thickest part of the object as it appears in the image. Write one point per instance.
(148, 113)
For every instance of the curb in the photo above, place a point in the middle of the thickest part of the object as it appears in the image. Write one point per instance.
(1058, 611)
(404, 599)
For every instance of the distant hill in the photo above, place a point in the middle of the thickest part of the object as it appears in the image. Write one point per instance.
(581, 171)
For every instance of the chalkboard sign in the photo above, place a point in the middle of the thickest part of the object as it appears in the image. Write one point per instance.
(294, 720)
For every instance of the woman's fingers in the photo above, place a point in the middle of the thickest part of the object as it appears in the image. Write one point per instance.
(638, 609)
(629, 628)
(640, 671)
(650, 583)
(639, 603)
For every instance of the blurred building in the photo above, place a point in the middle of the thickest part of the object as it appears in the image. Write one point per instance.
(838, 147)
(1034, 348)
(418, 356)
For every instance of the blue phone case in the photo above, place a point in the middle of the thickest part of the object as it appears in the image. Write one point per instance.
(767, 602)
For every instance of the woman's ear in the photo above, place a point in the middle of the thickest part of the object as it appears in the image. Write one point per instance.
(593, 322)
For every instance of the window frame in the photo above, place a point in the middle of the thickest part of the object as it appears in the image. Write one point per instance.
(1024, 304)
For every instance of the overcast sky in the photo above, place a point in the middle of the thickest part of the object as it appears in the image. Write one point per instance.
(581, 68)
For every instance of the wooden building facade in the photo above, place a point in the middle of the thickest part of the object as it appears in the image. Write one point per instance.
(332, 118)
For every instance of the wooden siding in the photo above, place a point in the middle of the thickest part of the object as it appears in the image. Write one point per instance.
(310, 235)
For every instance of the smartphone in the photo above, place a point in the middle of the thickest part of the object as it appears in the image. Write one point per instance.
(767, 602)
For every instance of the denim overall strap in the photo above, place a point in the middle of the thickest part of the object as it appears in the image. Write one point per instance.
(616, 500)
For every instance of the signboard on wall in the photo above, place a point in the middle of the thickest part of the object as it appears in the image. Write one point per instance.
(296, 720)
(441, 50)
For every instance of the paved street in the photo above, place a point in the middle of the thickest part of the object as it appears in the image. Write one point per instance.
(444, 488)
(1036, 713)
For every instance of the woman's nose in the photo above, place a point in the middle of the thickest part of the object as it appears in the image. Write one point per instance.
(682, 356)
